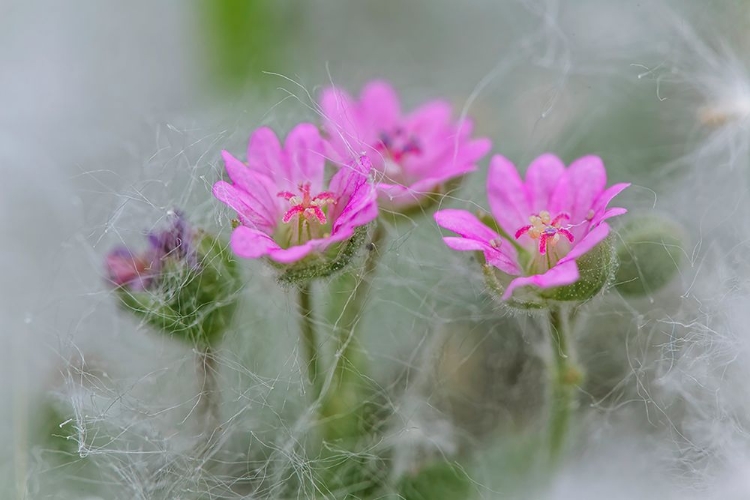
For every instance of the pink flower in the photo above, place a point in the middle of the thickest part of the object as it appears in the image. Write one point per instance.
(546, 222)
(285, 211)
(414, 153)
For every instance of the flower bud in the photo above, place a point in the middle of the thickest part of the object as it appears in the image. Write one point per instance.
(184, 284)
(650, 250)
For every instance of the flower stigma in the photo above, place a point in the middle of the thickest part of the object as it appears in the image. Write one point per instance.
(546, 229)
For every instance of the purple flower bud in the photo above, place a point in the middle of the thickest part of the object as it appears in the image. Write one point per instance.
(140, 271)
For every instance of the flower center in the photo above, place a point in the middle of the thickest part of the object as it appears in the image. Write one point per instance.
(546, 229)
(398, 144)
(306, 207)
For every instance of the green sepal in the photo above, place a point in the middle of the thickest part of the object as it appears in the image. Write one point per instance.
(323, 266)
(195, 305)
(596, 269)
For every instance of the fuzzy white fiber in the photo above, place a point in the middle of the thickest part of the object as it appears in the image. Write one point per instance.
(108, 122)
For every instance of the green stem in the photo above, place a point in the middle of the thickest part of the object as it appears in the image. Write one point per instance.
(345, 391)
(564, 379)
(353, 307)
(208, 408)
(309, 340)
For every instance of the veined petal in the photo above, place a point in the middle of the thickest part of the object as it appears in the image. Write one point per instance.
(259, 189)
(581, 185)
(356, 204)
(491, 255)
(465, 224)
(477, 236)
(251, 243)
(564, 273)
(305, 156)
(264, 152)
(541, 179)
(612, 212)
(507, 195)
(589, 241)
(603, 200)
(249, 211)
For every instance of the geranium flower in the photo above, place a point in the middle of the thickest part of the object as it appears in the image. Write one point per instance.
(544, 223)
(138, 271)
(285, 210)
(415, 154)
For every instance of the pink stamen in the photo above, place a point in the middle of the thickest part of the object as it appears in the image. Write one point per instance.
(556, 221)
(289, 215)
(566, 233)
(522, 231)
(543, 243)
(546, 229)
(286, 195)
(307, 206)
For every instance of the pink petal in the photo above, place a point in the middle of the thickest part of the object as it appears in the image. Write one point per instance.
(251, 243)
(593, 238)
(581, 185)
(493, 257)
(264, 152)
(507, 195)
(564, 273)
(260, 189)
(428, 117)
(541, 180)
(612, 212)
(603, 200)
(356, 203)
(343, 124)
(380, 105)
(476, 149)
(292, 254)
(501, 255)
(465, 224)
(249, 211)
(305, 156)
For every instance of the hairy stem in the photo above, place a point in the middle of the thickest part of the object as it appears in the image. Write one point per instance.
(309, 340)
(208, 406)
(344, 394)
(565, 377)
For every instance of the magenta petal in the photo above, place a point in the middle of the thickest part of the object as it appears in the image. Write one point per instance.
(305, 156)
(541, 179)
(584, 182)
(612, 212)
(430, 116)
(356, 204)
(507, 195)
(477, 236)
(292, 254)
(603, 200)
(564, 273)
(476, 149)
(380, 104)
(259, 189)
(249, 210)
(465, 224)
(251, 243)
(491, 255)
(264, 152)
(593, 238)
